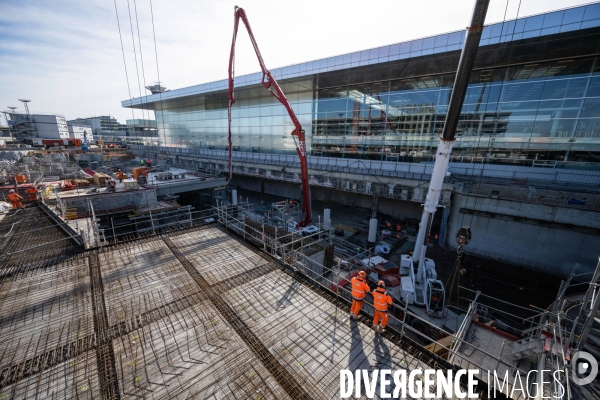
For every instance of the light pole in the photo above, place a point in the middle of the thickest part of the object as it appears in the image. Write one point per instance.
(25, 101)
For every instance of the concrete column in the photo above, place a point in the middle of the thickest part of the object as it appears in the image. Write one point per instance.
(372, 232)
(234, 197)
(262, 191)
(327, 218)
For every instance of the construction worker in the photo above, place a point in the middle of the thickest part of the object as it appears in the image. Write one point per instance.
(112, 185)
(149, 162)
(388, 224)
(142, 161)
(359, 291)
(32, 192)
(399, 227)
(120, 175)
(381, 301)
(15, 199)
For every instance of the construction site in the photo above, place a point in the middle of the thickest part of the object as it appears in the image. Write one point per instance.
(136, 271)
(222, 304)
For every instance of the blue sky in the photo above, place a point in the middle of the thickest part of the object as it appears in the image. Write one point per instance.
(65, 55)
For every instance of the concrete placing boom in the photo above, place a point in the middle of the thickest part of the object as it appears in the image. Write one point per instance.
(425, 281)
(269, 82)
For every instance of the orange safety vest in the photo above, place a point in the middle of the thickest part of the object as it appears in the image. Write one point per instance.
(359, 288)
(381, 300)
(31, 191)
(13, 197)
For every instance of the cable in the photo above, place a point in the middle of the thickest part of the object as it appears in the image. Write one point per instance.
(158, 74)
(123, 52)
(141, 55)
(137, 71)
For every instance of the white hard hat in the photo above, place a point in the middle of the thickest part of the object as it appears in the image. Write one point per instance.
(11, 191)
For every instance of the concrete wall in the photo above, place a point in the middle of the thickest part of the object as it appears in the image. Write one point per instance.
(550, 246)
(397, 208)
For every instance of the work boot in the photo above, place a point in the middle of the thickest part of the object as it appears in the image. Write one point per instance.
(375, 328)
(352, 316)
(381, 329)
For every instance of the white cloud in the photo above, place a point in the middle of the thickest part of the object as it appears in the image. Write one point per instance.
(66, 55)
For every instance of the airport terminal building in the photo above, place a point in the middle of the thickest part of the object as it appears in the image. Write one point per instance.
(372, 118)
(534, 95)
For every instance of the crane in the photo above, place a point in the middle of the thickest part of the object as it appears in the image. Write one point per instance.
(269, 82)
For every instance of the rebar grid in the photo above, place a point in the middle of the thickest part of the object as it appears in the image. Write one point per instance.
(76, 378)
(191, 353)
(241, 327)
(216, 255)
(45, 318)
(30, 237)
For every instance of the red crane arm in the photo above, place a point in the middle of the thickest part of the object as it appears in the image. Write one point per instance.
(384, 116)
(269, 82)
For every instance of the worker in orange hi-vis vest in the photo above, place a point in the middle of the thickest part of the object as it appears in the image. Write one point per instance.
(359, 291)
(15, 199)
(120, 175)
(32, 192)
(381, 301)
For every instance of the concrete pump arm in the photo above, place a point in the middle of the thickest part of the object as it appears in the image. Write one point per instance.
(269, 82)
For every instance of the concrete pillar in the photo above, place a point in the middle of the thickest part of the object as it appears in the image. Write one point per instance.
(327, 218)
(372, 232)
(391, 190)
(234, 197)
(262, 191)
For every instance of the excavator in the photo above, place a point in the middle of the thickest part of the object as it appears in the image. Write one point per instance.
(270, 83)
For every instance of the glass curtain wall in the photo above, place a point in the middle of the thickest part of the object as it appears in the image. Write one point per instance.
(260, 124)
(534, 111)
(534, 95)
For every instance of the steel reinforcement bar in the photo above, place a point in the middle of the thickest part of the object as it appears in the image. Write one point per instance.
(105, 353)
(281, 375)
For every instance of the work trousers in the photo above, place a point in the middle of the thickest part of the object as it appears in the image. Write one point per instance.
(356, 306)
(380, 315)
(17, 204)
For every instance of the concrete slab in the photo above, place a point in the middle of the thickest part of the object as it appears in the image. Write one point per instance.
(216, 255)
(191, 354)
(140, 277)
(44, 309)
(311, 337)
(76, 378)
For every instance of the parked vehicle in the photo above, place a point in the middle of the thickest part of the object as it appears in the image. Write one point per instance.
(309, 230)
(39, 142)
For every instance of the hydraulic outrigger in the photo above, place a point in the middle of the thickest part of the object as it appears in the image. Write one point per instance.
(269, 82)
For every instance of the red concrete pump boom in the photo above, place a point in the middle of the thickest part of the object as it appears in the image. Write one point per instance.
(269, 82)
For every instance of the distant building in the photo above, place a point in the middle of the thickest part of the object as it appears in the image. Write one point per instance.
(49, 126)
(4, 131)
(80, 131)
(103, 125)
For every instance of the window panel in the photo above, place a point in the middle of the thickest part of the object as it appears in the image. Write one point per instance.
(590, 24)
(416, 45)
(553, 19)
(591, 12)
(573, 15)
(441, 41)
(428, 43)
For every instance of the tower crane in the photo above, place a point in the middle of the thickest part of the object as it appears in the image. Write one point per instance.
(269, 82)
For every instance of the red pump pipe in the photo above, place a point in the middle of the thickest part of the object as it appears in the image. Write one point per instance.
(269, 82)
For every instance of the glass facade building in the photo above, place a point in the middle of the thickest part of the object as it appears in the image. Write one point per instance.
(534, 97)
